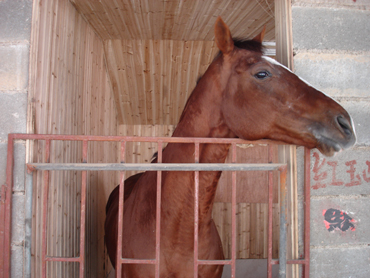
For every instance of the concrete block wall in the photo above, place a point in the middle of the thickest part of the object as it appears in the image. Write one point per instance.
(331, 41)
(15, 30)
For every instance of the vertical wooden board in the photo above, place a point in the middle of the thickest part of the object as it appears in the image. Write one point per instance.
(287, 154)
(184, 77)
(243, 231)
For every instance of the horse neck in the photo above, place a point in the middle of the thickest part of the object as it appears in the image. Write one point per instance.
(202, 117)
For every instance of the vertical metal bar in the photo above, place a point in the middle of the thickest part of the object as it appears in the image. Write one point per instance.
(83, 212)
(196, 211)
(120, 214)
(8, 204)
(28, 224)
(283, 222)
(45, 209)
(270, 214)
(158, 214)
(307, 198)
(2, 229)
(233, 214)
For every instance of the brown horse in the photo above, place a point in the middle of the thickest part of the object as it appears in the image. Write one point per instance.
(242, 94)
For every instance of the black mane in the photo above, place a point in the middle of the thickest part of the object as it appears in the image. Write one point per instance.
(250, 45)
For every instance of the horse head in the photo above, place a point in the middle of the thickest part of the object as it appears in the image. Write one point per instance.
(263, 99)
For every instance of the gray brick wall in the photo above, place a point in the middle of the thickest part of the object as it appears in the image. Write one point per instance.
(15, 29)
(331, 41)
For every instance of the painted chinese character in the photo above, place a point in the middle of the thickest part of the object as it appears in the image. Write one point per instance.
(334, 181)
(351, 172)
(319, 177)
(367, 179)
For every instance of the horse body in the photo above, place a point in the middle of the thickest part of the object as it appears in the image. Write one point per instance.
(242, 94)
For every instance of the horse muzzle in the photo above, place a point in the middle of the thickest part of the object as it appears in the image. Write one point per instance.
(340, 136)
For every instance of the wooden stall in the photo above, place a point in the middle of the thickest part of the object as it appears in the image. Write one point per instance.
(121, 67)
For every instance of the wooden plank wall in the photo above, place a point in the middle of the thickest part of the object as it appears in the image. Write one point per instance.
(69, 93)
(152, 79)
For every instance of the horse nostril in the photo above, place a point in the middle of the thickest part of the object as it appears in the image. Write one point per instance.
(345, 125)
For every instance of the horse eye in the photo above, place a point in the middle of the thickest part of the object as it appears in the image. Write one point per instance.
(262, 74)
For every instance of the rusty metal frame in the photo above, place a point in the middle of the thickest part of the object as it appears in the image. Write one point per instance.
(5, 203)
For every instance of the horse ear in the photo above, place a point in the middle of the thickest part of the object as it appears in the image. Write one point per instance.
(259, 37)
(223, 37)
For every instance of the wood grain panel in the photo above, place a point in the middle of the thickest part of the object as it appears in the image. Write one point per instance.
(176, 19)
(152, 80)
(251, 229)
(69, 93)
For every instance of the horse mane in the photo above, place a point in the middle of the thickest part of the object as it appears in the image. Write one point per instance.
(250, 45)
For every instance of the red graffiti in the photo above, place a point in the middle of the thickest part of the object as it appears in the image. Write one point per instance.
(352, 171)
(318, 177)
(323, 179)
(367, 179)
(335, 181)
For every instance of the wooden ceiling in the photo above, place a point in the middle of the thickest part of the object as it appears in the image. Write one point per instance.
(156, 49)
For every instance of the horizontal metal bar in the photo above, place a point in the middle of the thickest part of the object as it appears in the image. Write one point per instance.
(302, 261)
(299, 261)
(201, 140)
(62, 259)
(215, 262)
(137, 261)
(155, 166)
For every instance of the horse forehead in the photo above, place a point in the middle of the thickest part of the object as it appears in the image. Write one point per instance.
(276, 63)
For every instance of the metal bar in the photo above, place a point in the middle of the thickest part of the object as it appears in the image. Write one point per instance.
(2, 229)
(156, 166)
(283, 223)
(158, 214)
(233, 213)
(196, 210)
(118, 266)
(28, 224)
(215, 262)
(299, 261)
(62, 259)
(303, 261)
(270, 214)
(307, 204)
(8, 205)
(45, 210)
(206, 140)
(83, 211)
(136, 261)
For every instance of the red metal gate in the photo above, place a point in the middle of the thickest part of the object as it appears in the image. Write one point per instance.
(5, 204)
